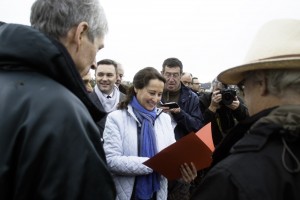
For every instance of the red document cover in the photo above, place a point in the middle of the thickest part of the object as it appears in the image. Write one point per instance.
(196, 148)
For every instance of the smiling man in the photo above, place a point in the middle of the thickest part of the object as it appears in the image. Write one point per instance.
(106, 94)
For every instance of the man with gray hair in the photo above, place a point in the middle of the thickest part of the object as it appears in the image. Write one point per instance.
(49, 143)
(260, 158)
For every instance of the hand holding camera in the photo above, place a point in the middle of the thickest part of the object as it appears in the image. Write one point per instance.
(228, 96)
(225, 97)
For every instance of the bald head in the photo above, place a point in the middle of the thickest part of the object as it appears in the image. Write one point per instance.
(186, 79)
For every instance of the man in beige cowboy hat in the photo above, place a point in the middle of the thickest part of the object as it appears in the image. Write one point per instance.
(259, 158)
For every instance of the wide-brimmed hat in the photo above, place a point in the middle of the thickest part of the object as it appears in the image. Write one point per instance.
(276, 46)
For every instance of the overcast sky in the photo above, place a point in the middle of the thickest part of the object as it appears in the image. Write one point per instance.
(208, 36)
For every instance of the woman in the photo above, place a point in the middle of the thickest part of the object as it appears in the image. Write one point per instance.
(136, 132)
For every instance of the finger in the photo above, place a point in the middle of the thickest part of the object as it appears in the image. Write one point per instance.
(184, 175)
(194, 170)
(189, 173)
(189, 177)
(188, 169)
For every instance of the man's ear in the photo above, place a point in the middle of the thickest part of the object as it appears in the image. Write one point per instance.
(80, 32)
(263, 84)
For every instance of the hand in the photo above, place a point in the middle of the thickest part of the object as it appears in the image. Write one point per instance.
(235, 104)
(188, 172)
(216, 97)
(173, 110)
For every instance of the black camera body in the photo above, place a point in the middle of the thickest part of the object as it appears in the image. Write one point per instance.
(228, 95)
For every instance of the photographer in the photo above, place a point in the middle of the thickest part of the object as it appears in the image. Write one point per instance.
(223, 108)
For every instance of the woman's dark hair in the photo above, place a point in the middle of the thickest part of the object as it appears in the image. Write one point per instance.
(140, 80)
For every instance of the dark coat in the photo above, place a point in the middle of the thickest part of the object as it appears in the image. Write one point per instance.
(49, 143)
(227, 117)
(190, 117)
(255, 163)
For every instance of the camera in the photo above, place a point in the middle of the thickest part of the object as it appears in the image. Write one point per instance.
(228, 95)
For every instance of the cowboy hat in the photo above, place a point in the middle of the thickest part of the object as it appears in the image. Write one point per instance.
(276, 46)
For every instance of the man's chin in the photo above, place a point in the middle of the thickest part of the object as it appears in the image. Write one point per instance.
(172, 88)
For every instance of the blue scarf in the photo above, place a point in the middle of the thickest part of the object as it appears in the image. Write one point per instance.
(146, 185)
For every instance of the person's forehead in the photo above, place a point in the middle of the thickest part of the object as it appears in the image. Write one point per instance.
(120, 71)
(195, 80)
(186, 78)
(106, 68)
(172, 69)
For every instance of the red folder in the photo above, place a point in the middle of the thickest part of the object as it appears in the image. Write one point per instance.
(196, 148)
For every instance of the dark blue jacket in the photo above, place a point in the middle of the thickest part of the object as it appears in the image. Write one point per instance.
(190, 117)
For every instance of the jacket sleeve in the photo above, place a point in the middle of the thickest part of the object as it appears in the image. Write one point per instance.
(190, 115)
(114, 146)
(204, 101)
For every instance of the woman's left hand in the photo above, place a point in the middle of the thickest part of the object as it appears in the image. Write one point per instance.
(188, 172)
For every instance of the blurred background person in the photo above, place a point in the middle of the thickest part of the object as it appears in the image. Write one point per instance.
(122, 87)
(120, 74)
(196, 86)
(186, 79)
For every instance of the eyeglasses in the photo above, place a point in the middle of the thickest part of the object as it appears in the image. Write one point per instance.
(174, 75)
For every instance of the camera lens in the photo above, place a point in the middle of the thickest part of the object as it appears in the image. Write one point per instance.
(228, 96)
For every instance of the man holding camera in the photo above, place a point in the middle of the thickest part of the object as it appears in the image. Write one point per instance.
(223, 108)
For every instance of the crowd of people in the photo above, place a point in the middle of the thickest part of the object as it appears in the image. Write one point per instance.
(65, 138)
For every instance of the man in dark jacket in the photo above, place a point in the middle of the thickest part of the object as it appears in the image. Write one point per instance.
(186, 118)
(260, 158)
(49, 143)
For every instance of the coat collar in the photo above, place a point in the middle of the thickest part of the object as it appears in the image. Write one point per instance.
(23, 47)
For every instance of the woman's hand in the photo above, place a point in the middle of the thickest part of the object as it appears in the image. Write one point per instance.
(188, 172)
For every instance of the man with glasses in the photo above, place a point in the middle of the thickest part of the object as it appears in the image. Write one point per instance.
(196, 85)
(187, 118)
(260, 158)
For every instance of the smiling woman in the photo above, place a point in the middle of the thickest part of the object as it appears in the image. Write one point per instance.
(135, 133)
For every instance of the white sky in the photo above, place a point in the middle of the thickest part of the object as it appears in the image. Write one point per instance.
(208, 36)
